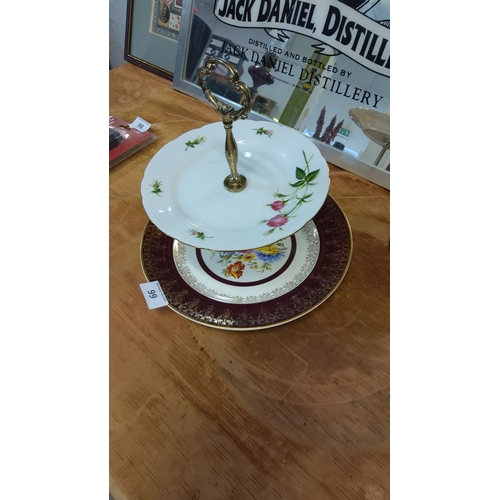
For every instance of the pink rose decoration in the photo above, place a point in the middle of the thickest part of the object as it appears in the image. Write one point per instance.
(277, 205)
(277, 221)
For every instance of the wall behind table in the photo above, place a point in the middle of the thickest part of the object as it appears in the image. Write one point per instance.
(117, 21)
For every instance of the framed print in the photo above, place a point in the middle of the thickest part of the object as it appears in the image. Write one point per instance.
(322, 68)
(151, 36)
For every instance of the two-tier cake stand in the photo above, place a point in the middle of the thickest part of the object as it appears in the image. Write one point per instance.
(252, 247)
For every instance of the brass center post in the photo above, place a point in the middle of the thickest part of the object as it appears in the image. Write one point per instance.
(234, 182)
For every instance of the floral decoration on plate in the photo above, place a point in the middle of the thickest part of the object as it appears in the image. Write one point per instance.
(156, 187)
(287, 204)
(260, 260)
(198, 234)
(264, 131)
(243, 276)
(196, 142)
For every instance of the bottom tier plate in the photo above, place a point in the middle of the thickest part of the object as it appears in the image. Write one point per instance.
(252, 289)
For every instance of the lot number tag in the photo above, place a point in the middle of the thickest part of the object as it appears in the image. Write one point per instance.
(153, 294)
(140, 124)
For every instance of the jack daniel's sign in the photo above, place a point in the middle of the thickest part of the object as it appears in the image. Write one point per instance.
(335, 28)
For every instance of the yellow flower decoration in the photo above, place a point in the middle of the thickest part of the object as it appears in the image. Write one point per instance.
(269, 250)
(248, 257)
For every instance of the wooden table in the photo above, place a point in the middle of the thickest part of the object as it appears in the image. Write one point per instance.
(298, 411)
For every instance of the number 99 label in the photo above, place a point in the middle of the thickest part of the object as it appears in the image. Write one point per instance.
(153, 294)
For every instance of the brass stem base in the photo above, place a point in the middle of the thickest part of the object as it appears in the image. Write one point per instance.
(235, 185)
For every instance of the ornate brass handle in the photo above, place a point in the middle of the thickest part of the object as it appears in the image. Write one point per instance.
(234, 182)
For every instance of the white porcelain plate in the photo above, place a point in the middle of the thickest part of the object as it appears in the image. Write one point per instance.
(184, 196)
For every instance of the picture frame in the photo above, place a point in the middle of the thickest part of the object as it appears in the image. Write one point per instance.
(305, 77)
(151, 35)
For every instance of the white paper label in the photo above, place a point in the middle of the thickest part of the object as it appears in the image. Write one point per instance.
(153, 294)
(140, 124)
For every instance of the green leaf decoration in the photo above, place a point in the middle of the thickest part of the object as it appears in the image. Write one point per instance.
(192, 144)
(310, 177)
(156, 187)
(300, 174)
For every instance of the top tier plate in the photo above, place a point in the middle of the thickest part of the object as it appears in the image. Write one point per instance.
(184, 195)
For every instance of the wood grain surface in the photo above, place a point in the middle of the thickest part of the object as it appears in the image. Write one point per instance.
(299, 411)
